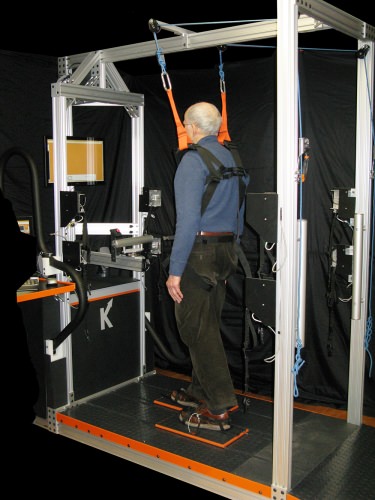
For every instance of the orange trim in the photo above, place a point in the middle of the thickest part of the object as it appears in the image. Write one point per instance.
(321, 410)
(167, 405)
(203, 440)
(62, 287)
(93, 299)
(333, 412)
(179, 408)
(227, 477)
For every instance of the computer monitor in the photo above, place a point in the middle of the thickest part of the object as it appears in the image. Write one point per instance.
(25, 224)
(85, 160)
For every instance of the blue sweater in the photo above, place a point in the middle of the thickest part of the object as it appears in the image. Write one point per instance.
(221, 213)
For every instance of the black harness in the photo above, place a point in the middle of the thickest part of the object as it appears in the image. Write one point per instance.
(216, 175)
(220, 172)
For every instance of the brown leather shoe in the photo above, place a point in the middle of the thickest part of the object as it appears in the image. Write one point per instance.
(183, 398)
(202, 418)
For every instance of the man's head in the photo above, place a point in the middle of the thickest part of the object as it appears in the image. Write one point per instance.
(202, 119)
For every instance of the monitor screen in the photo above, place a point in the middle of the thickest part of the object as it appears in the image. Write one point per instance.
(25, 224)
(85, 160)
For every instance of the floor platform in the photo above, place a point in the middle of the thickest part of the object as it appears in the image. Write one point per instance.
(331, 458)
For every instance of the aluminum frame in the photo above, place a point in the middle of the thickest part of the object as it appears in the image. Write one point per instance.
(316, 15)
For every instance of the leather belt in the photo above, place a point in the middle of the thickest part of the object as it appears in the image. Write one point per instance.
(213, 233)
(214, 237)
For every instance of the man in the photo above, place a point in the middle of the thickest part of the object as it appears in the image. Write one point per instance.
(203, 257)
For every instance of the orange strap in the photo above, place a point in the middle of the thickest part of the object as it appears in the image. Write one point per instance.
(183, 138)
(223, 132)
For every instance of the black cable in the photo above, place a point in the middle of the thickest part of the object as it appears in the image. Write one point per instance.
(62, 266)
(170, 357)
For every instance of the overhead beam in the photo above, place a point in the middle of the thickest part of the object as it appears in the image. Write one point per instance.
(96, 94)
(337, 19)
(186, 42)
(315, 15)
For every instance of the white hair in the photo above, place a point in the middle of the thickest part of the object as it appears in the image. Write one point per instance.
(205, 116)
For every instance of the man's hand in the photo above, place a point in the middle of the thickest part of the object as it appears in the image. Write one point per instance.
(173, 285)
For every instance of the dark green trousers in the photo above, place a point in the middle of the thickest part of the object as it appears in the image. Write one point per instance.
(198, 319)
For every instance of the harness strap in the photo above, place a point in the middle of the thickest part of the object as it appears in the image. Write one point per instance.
(220, 173)
(234, 150)
(183, 138)
(246, 347)
(223, 132)
(243, 261)
(262, 271)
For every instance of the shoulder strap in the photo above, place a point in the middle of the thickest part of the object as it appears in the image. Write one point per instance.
(217, 174)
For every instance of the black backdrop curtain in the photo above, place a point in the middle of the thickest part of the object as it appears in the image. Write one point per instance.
(327, 83)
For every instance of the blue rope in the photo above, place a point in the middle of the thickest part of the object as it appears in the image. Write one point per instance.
(255, 46)
(221, 66)
(297, 366)
(160, 56)
(368, 335)
(368, 342)
(298, 358)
